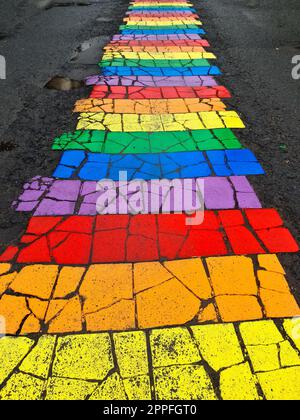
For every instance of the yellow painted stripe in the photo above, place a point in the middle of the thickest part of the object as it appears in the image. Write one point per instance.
(149, 106)
(251, 360)
(158, 55)
(163, 122)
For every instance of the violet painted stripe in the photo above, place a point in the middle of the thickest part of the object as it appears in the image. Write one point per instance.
(151, 81)
(52, 197)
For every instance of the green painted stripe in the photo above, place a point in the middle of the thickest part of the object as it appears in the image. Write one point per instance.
(140, 142)
(120, 62)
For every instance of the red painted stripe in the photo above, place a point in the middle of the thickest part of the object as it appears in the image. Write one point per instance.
(104, 239)
(156, 18)
(135, 92)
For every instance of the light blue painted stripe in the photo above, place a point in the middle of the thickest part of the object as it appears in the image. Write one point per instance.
(161, 71)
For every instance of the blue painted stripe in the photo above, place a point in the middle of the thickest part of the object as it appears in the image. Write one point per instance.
(97, 166)
(156, 27)
(161, 31)
(161, 71)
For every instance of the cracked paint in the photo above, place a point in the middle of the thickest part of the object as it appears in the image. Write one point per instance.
(120, 68)
(151, 142)
(142, 93)
(95, 167)
(150, 81)
(114, 297)
(149, 106)
(158, 56)
(159, 122)
(144, 306)
(111, 61)
(132, 238)
(206, 362)
(52, 197)
(158, 37)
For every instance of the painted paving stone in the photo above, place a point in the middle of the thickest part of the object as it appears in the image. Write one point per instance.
(138, 70)
(52, 197)
(115, 47)
(162, 8)
(120, 297)
(170, 59)
(149, 106)
(135, 18)
(247, 361)
(140, 93)
(152, 81)
(127, 238)
(154, 24)
(162, 31)
(158, 37)
(129, 306)
(176, 14)
(164, 122)
(143, 142)
(158, 56)
(144, 45)
(97, 166)
(144, 59)
(160, 4)
(161, 20)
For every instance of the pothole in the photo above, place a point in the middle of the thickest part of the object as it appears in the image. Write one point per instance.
(89, 52)
(3, 35)
(64, 84)
(6, 146)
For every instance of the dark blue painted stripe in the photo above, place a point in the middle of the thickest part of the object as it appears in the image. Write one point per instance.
(98, 166)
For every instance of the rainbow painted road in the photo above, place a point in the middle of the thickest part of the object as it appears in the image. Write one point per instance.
(138, 302)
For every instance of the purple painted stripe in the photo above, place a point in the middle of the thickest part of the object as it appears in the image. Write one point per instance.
(52, 197)
(169, 37)
(151, 81)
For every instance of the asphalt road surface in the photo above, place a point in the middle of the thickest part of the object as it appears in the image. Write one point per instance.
(254, 41)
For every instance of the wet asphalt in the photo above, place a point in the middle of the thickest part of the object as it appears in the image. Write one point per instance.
(254, 40)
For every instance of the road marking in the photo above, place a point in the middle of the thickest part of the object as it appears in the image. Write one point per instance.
(216, 291)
